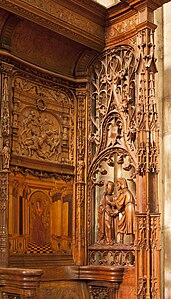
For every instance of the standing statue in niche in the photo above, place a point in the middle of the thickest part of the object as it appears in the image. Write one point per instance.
(106, 227)
(125, 206)
(6, 155)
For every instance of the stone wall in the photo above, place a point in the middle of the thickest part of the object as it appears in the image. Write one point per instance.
(163, 89)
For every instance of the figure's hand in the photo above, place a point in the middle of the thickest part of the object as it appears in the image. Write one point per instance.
(116, 212)
(108, 202)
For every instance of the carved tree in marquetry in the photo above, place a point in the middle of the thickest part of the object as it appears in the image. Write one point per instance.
(112, 139)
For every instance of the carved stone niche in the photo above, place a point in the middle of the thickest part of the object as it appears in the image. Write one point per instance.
(103, 282)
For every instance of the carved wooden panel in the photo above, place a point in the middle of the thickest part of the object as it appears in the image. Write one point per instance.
(112, 157)
(42, 122)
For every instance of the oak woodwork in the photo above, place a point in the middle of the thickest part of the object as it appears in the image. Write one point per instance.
(79, 150)
(22, 282)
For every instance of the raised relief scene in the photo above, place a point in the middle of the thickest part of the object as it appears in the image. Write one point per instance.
(41, 122)
(112, 135)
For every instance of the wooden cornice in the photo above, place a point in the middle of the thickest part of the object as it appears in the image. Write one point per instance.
(80, 20)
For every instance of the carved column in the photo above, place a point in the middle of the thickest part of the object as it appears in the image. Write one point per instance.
(6, 72)
(147, 219)
(80, 178)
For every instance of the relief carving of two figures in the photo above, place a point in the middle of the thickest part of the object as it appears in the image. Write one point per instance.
(116, 214)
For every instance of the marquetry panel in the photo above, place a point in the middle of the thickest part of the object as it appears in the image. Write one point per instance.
(40, 215)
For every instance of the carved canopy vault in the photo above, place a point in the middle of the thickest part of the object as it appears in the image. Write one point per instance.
(79, 150)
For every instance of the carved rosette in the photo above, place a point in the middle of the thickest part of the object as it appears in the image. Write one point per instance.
(80, 176)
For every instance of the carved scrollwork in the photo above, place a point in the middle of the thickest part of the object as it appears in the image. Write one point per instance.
(41, 174)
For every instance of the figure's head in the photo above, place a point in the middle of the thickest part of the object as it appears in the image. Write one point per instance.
(121, 183)
(109, 187)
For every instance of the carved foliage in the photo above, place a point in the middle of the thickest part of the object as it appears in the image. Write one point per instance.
(112, 110)
(98, 292)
